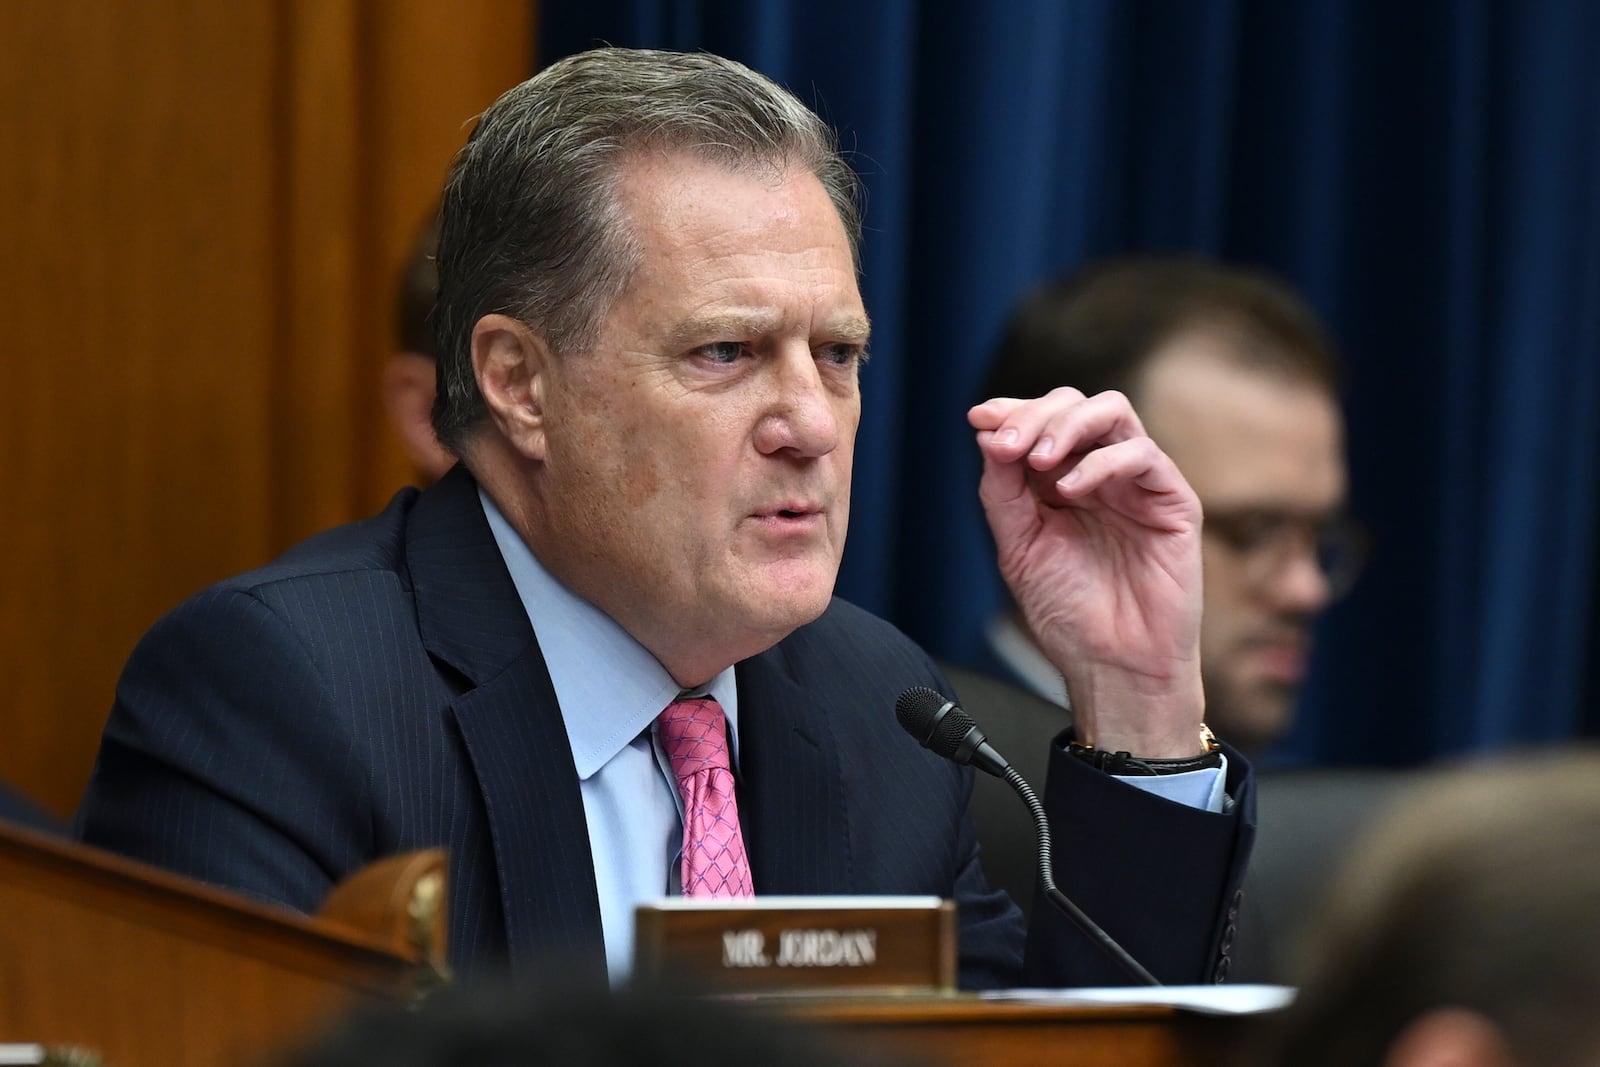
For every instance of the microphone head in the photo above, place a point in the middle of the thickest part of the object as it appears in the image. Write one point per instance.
(918, 710)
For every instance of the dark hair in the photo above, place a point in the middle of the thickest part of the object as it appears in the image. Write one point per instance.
(530, 225)
(1097, 329)
(503, 1026)
(1481, 891)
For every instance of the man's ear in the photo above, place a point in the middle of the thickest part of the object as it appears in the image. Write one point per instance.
(510, 361)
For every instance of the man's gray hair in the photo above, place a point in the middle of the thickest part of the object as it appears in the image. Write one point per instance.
(530, 224)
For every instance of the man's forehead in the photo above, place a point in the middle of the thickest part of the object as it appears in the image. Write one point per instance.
(729, 253)
(675, 188)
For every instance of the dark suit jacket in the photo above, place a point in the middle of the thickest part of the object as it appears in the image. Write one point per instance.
(379, 689)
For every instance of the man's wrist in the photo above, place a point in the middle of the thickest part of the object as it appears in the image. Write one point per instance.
(1148, 716)
(1126, 764)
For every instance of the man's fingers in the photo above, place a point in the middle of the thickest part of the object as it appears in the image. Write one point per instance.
(1049, 430)
(1010, 505)
(1002, 482)
(991, 413)
(1065, 450)
(1133, 477)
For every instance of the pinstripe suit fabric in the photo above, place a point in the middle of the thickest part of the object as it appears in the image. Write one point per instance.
(379, 689)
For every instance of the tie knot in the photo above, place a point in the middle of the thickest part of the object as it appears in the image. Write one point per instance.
(694, 735)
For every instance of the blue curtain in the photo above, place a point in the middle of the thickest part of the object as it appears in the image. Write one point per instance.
(1426, 173)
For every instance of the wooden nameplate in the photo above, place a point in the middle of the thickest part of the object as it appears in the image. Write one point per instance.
(764, 944)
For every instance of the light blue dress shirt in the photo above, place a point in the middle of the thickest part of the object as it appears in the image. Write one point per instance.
(630, 801)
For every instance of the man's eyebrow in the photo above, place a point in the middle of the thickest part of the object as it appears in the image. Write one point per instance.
(721, 325)
(754, 322)
(855, 328)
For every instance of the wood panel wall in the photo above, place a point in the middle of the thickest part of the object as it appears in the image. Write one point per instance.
(206, 207)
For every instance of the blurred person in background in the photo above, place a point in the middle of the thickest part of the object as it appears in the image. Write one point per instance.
(409, 378)
(1463, 929)
(1236, 379)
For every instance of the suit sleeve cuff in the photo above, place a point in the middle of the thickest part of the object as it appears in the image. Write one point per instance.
(1204, 789)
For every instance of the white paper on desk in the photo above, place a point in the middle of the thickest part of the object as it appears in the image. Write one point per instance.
(1241, 999)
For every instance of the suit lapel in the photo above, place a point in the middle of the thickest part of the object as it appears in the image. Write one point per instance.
(471, 618)
(517, 742)
(790, 802)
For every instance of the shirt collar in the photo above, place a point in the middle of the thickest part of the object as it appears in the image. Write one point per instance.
(603, 709)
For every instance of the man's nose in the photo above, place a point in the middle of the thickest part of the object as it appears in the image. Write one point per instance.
(1301, 583)
(802, 413)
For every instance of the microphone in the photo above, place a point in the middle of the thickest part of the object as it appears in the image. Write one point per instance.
(943, 728)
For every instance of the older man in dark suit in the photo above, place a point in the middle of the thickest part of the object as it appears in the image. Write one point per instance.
(651, 335)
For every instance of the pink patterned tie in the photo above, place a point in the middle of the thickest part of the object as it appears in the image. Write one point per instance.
(693, 734)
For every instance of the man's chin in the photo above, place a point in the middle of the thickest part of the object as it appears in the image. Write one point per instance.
(789, 607)
(766, 602)
(804, 584)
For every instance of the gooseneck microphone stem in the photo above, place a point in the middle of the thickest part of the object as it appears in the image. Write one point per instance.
(1047, 878)
(940, 726)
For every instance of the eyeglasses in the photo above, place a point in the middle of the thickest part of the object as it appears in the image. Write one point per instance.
(1267, 541)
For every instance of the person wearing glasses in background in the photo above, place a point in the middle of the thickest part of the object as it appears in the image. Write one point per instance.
(1234, 377)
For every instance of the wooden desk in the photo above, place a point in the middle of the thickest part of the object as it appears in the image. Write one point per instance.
(962, 1029)
(149, 969)
(146, 968)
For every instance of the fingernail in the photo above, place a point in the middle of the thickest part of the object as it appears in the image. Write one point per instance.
(1070, 479)
(1007, 436)
(1045, 446)
(984, 436)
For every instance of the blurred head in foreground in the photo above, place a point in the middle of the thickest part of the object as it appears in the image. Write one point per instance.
(501, 1026)
(1464, 929)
